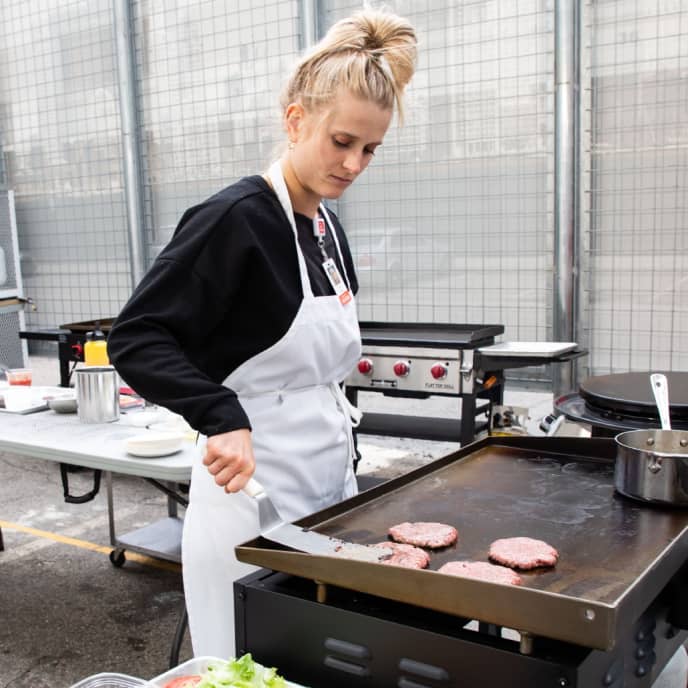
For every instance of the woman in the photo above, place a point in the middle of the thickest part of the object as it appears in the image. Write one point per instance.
(246, 322)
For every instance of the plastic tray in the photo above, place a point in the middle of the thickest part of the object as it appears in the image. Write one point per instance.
(197, 665)
(109, 680)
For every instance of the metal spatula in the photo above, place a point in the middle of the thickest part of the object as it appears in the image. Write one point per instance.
(273, 527)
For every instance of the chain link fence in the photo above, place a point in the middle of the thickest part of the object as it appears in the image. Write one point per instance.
(452, 222)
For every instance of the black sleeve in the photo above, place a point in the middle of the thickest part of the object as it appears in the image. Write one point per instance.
(173, 311)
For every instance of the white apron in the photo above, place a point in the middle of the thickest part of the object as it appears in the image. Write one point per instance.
(302, 441)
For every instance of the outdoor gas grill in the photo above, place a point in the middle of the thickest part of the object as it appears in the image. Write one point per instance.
(419, 360)
(611, 404)
(70, 340)
(611, 613)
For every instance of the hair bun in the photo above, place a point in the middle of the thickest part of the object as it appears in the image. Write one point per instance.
(373, 43)
(387, 35)
(372, 53)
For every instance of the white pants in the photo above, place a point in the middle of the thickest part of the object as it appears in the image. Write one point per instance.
(675, 673)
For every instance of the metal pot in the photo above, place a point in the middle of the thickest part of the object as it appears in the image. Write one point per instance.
(97, 393)
(652, 466)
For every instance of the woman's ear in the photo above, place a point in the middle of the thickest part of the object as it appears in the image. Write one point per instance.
(293, 121)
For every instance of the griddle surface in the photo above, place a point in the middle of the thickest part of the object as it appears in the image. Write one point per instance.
(426, 334)
(605, 542)
(88, 325)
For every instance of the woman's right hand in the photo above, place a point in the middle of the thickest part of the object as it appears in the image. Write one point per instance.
(229, 458)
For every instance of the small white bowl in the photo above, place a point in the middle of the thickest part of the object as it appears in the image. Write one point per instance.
(63, 404)
(151, 444)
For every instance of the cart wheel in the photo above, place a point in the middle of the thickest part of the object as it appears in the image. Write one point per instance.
(117, 557)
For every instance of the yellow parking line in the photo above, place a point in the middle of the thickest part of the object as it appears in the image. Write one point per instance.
(83, 544)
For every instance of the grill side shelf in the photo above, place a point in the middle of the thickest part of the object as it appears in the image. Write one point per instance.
(487, 362)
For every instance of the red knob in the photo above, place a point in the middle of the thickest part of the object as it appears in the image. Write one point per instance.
(401, 368)
(365, 366)
(439, 371)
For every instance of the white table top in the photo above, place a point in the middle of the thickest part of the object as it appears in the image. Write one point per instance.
(63, 438)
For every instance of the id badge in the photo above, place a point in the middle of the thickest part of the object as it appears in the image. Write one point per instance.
(338, 284)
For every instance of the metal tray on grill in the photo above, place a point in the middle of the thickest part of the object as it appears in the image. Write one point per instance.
(616, 556)
(528, 349)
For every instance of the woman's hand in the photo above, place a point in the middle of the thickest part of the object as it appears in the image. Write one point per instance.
(229, 458)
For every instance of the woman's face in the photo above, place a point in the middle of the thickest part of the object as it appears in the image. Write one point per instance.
(333, 145)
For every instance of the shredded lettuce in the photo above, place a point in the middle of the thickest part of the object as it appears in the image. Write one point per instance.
(241, 673)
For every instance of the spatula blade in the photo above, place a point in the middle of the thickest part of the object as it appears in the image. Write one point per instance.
(274, 528)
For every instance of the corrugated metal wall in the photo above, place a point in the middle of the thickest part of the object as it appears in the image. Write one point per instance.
(453, 221)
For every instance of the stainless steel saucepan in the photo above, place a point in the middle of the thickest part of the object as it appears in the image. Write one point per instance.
(652, 465)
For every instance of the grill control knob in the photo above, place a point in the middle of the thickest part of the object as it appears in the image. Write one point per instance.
(439, 371)
(365, 366)
(402, 368)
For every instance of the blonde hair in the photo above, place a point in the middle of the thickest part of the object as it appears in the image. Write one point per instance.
(371, 53)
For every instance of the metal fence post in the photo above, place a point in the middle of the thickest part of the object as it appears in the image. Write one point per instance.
(131, 154)
(566, 258)
(309, 23)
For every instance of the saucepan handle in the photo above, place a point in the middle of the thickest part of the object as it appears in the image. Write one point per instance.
(660, 389)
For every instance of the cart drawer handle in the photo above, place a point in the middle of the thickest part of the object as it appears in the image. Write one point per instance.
(343, 647)
(424, 670)
(347, 667)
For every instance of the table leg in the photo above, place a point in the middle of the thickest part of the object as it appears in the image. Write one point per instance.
(467, 419)
(160, 539)
(111, 509)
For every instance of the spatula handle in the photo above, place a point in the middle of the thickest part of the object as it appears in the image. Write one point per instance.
(253, 488)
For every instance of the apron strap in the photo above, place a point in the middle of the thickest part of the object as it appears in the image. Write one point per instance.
(355, 414)
(280, 187)
(326, 215)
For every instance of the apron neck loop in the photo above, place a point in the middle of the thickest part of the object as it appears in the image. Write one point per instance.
(326, 214)
(280, 186)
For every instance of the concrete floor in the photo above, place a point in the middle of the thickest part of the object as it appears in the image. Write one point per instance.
(68, 613)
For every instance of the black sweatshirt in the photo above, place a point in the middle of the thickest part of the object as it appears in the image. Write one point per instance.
(225, 288)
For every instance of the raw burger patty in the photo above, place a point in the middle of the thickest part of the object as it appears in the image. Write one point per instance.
(523, 553)
(483, 571)
(408, 556)
(421, 534)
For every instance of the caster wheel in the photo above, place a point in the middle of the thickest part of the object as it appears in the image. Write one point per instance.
(117, 557)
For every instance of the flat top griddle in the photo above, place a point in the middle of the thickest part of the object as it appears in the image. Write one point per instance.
(426, 334)
(615, 554)
(88, 325)
(608, 421)
(631, 394)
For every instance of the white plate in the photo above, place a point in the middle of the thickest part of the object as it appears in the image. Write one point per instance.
(152, 444)
(21, 399)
